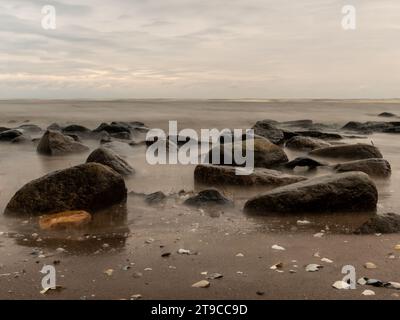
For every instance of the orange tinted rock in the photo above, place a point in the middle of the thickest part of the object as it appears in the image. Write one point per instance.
(64, 220)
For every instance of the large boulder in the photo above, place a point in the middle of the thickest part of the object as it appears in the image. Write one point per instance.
(90, 187)
(343, 192)
(379, 168)
(268, 130)
(109, 158)
(301, 143)
(349, 151)
(55, 143)
(382, 223)
(225, 175)
(266, 154)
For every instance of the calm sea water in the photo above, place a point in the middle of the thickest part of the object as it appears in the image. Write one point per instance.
(20, 163)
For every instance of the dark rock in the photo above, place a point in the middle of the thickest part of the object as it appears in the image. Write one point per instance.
(155, 198)
(111, 159)
(112, 128)
(76, 129)
(306, 143)
(379, 168)
(206, 198)
(304, 162)
(387, 115)
(2, 129)
(266, 154)
(88, 187)
(267, 130)
(384, 223)
(9, 135)
(392, 130)
(55, 143)
(225, 175)
(367, 127)
(121, 135)
(350, 151)
(320, 135)
(298, 123)
(343, 192)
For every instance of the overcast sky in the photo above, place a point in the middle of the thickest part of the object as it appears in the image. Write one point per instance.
(199, 49)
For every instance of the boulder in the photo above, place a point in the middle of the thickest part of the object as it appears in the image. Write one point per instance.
(121, 135)
(225, 175)
(112, 128)
(379, 168)
(109, 158)
(77, 129)
(344, 192)
(392, 130)
(65, 220)
(382, 223)
(304, 162)
(90, 187)
(302, 143)
(55, 143)
(298, 123)
(155, 198)
(9, 135)
(349, 151)
(266, 154)
(387, 115)
(367, 127)
(2, 129)
(268, 130)
(319, 135)
(207, 198)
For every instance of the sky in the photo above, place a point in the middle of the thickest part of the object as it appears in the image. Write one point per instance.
(200, 49)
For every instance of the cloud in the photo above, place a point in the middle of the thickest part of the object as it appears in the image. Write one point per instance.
(199, 49)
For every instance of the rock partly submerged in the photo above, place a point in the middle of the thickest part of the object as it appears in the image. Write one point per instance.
(378, 168)
(266, 154)
(266, 129)
(9, 135)
(208, 197)
(65, 220)
(343, 192)
(55, 143)
(349, 151)
(111, 159)
(225, 175)
(89, 187)
(302, 143)
(382, 223)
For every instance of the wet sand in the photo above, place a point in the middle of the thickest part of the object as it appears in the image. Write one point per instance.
(147, 232)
